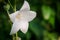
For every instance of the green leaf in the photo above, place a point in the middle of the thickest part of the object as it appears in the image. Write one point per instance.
(28, 35)
(35, 27)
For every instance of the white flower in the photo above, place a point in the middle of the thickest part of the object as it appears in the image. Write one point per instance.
(22, 18)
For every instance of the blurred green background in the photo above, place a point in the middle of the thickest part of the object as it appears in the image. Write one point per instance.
(44, 27)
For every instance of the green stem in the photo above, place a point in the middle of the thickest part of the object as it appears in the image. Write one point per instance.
(15, 7)
(16, 36)
(10, 4)
(13, 37)
(8, 12)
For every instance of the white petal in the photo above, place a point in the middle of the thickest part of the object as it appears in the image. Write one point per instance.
(15, 27)
(28, 15)
(19, 24)
(24, 26)
(25, 6)
(12, 16)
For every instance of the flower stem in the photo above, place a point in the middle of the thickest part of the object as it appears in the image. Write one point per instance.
(10, 4)
(16, 36)
(15, 6)
(8, 12)
(13, 37)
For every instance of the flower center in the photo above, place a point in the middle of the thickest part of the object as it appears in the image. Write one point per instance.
(18, 16)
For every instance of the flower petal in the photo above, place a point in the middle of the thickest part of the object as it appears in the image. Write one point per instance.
(15, 27)
(28, 15)
(12, 16)
(24, 26)
(25, 6)
(19, 24)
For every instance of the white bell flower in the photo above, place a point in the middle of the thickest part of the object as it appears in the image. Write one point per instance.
(22, 18)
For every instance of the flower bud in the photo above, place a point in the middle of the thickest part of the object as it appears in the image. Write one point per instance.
(7, 7)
